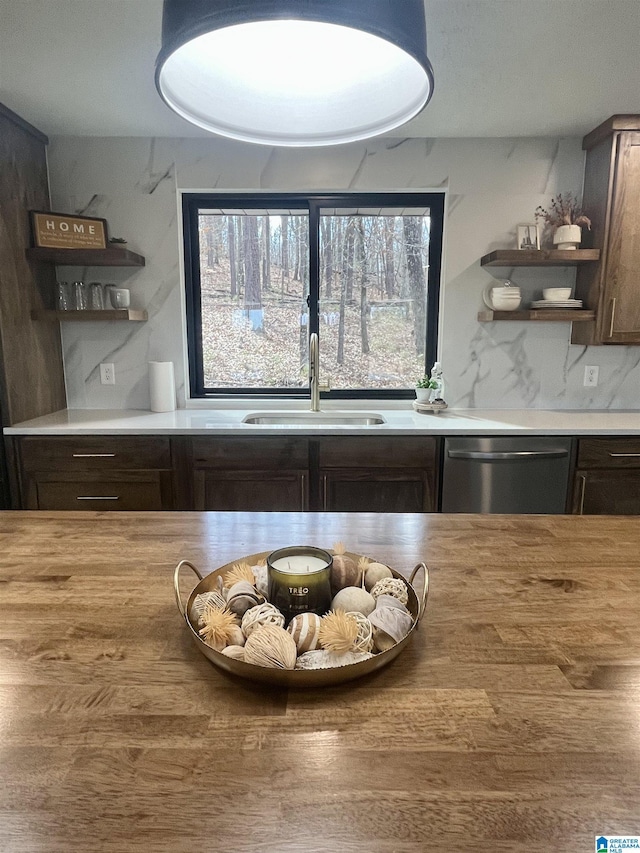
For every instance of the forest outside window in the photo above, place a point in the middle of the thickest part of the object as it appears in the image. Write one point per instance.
(263, 272)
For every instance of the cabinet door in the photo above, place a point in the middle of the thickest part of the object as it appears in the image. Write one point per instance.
(251, 491)
(607, 492)
(377, 490)
(622, 284)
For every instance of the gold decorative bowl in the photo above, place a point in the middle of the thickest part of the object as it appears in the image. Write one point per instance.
(295, 677)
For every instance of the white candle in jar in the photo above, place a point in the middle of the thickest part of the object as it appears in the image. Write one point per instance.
(299, 564)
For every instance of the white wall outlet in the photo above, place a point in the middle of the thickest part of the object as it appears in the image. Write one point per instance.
(591, 372)
(107, 374)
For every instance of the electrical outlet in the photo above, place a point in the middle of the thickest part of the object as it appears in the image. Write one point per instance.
(591, 372)
(107, 374)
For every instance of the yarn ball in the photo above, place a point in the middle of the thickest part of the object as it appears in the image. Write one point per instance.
(271, 646)
(305, 630)
(261, 614)
(391, 586)
(354, 598)
(376, 572)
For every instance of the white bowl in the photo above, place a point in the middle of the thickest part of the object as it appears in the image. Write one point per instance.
(556, 294)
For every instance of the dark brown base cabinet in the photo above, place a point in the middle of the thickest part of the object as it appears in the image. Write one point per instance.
(350, 474)
(96, 473)
(607, 477)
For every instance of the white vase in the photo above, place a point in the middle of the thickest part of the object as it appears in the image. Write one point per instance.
(567, 237)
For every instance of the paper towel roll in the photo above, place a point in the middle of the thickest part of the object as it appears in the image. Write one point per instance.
(162, 386)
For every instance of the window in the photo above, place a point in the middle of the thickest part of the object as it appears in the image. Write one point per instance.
(265, 271)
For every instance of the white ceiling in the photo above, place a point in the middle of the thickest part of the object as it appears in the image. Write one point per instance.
(502, 67)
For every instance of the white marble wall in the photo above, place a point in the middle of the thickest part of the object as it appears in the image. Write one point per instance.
(493, 185)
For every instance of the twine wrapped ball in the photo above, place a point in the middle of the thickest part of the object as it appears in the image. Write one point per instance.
(344, 571)
(243, 596)
(305, 630)
(261, 614)
(390, 625)
(272, 647)
(391, 586)
(323, 659)
(354, 598)
(214, 598)
(364, 638)
(376, 572)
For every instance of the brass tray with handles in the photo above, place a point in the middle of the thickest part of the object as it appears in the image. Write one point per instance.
(295, 677)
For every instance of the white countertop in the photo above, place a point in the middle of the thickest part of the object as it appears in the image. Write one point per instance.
(398, 421)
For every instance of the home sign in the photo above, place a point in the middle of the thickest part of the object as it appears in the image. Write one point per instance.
(59, 231)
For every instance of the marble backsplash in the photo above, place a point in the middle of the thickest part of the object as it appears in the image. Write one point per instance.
(492, 185)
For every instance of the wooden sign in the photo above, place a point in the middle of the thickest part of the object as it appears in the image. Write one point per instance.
(59, 231)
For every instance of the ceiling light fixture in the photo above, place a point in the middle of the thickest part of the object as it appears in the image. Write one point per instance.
(295, 72)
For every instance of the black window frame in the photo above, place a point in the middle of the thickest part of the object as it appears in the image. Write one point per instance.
(193, 203)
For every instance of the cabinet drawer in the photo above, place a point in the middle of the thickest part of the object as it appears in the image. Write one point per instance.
(609, 453)
(247, 454)
(376, 452)
(95, 453)
(109, 496)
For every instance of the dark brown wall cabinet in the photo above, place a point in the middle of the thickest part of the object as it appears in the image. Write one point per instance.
(611, 287)
(607, 477)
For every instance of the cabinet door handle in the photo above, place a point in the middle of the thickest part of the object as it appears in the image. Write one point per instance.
(93, 455)
(613, 316)
(324, 492)
(504, 456)
(303, 478)
(98, 498)
(583, 488)
(624, 455)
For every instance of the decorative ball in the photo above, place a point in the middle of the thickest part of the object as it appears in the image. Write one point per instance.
(261, 614)
(354, 598)
(322, 659)
(235, 652)
(214, 598)
(391, 586)
(390, 625)
(338, 632)
(344, 571)
(236, 636)
(261, 578)
(389, 601)
(305, 630)
(376, 572)
(218, 627)
(364, 637)
(241, 597)
(271, 646)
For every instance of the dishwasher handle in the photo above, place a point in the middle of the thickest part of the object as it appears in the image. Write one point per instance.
(505, 456)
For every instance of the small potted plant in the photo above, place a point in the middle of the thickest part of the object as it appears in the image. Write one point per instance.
(564, 218)
(424, 386)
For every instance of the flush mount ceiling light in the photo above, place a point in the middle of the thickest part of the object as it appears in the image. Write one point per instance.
(295, 72)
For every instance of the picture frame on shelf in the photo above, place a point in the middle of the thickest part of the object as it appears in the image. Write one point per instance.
(51, 230)
(528, 236)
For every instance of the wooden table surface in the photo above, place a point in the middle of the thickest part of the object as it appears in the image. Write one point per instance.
(511, 723)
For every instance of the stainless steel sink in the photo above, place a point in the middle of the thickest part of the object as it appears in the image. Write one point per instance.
(315, 418)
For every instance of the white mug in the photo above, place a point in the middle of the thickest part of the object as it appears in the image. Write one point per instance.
(120, 297)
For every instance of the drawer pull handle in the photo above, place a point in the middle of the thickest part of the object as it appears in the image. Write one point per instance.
(613, 316)
(98, 498)
(302, 493)
(93, 455)
(583, 487)
(524, 455)
(624, 455)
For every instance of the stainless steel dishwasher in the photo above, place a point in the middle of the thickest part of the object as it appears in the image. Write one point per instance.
(510, 474)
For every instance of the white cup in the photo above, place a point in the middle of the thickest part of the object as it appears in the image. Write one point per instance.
(120, 297)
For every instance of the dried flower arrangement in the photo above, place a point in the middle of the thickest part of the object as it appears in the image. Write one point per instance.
(564, 210)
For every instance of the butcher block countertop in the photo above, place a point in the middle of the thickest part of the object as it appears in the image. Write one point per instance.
(510, 723)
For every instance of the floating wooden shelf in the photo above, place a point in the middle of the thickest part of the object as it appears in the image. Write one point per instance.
(539, 257)
(546, 315)
(126, 314)
(86, 257)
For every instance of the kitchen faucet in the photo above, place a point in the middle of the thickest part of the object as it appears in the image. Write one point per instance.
(314, 372)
